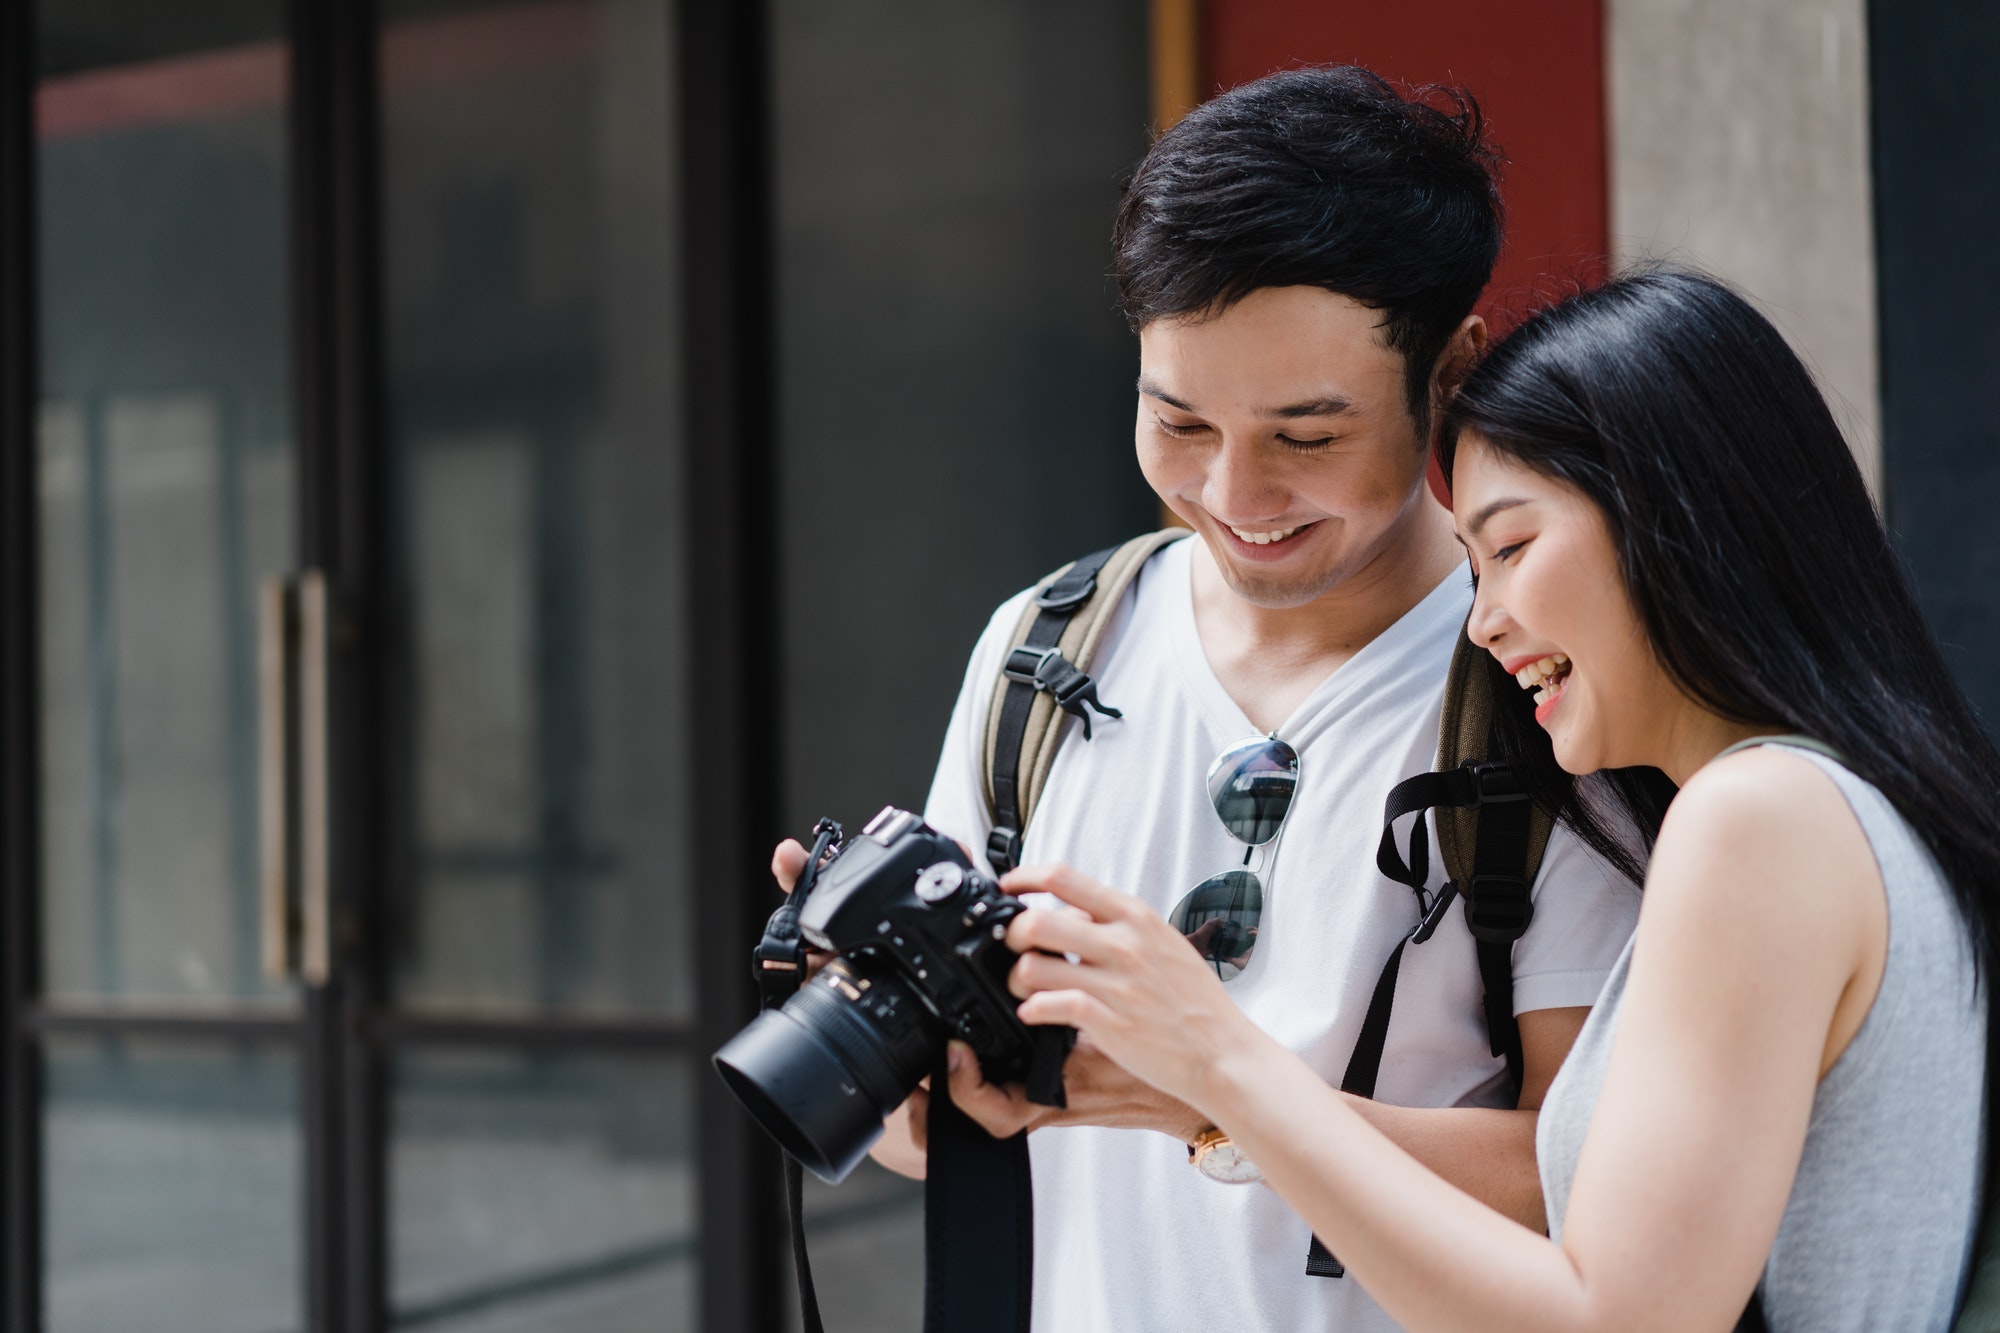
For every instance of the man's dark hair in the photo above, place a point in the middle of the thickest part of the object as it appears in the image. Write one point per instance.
(1324, 177)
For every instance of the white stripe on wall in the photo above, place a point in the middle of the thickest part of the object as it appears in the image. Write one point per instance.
(1739, 143)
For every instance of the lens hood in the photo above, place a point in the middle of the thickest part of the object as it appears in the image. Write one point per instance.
(797, 1088)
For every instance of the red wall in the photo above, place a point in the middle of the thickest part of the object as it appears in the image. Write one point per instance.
(1537, 70)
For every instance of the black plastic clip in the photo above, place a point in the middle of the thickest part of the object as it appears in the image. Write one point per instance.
(1498, 908)
(1067, 594)
(1003, 849)
(1493, 784)
(1431, 910)
(1047, 669)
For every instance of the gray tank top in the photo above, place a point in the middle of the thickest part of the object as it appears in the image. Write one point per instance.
(1879, 1229)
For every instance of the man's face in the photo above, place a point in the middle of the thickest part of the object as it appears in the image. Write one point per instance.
(1279, 430)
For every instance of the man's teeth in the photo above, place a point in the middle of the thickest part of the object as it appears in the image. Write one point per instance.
(1264, 538)
(1544, 677)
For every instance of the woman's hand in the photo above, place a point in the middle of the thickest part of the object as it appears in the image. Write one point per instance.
(1137, 991)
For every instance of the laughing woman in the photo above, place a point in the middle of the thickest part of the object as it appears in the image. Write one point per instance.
(1780, 1093)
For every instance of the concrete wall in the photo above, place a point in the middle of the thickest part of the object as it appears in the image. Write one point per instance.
(1739, 143)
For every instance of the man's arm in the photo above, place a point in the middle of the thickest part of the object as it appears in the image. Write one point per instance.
(1488, 1153)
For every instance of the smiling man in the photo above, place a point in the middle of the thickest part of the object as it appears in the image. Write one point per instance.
(1300, 259)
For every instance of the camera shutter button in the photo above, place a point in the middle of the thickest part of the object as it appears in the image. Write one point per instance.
(939, 882)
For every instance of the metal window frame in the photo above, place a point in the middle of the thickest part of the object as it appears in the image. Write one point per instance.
(734, 690)
(20, 853)
(336, 279)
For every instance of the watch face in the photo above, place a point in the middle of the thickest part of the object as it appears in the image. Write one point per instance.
(1227, 1163)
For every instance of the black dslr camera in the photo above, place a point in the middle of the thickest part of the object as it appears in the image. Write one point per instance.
(921, 939)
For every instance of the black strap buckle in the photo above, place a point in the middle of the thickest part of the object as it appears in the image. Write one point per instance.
(1498, 908)
(1026, 664)
(1047, 669)
(1003, 849)
(1492, 784)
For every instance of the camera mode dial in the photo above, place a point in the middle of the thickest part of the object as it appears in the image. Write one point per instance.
(939, 882)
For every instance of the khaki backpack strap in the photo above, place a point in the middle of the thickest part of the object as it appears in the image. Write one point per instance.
(1045, 680)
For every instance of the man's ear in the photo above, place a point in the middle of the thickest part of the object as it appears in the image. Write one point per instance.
(1460, 355)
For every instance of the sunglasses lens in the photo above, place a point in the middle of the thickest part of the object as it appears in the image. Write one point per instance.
(1220, 918)
(1251, 785)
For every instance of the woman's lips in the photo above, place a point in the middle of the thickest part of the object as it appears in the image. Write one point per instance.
(1547, 708)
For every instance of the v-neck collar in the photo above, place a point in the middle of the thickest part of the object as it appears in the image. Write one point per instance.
(1443, 609)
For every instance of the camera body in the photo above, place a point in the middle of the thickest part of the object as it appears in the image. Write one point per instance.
(922, 957)
(902, 895)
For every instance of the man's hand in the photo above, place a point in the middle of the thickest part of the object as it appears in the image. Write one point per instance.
(1098, 1091)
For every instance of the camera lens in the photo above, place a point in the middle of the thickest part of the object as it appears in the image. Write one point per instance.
(822, 1071)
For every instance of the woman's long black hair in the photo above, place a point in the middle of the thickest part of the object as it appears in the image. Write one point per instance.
(1749, 547)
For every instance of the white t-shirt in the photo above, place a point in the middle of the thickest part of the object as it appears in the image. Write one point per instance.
(1127, 1234)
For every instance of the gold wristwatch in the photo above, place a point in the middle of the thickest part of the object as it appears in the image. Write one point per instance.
(1216, 1156)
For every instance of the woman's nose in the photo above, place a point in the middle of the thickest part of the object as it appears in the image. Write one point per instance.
(1488, 620)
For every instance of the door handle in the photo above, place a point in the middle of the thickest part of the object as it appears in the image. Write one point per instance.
(315, 778)
(295, 777)
(277, 808)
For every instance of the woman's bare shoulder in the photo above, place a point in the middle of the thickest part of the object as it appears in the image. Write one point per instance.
(1773, 818)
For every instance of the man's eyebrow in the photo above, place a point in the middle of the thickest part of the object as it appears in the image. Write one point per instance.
(1478, 520)
(1153, 390)
(1328, 405)
(1332, 405)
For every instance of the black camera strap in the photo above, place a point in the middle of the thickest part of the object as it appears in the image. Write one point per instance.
(979, 1223)
(780, 959)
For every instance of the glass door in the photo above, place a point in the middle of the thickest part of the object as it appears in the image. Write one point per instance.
(171, 1182)
(363, 990)
(539, 987)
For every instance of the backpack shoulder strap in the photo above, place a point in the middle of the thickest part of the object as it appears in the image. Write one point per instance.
(1491, 838)
(1045, 679)
(1490, 835)
(1491, 850)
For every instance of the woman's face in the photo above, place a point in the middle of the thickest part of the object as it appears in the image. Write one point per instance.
(1551, 606)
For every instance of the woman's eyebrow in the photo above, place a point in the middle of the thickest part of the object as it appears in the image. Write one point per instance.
(1478, 520)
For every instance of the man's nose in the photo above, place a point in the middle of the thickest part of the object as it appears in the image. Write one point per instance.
(1241, 486)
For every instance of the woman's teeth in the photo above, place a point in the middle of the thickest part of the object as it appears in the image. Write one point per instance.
(1264, 538)
(1545, 677)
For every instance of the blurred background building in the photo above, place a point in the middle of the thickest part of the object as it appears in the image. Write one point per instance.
(474, 473)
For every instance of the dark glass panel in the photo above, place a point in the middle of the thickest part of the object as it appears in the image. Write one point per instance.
(172, 1184)
(544, 1193)
(530, 225)
(955, 385)
(166, 467)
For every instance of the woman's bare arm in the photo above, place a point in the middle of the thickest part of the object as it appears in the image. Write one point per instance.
(1760, 945)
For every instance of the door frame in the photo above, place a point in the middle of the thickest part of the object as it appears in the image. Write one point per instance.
(346, 1033)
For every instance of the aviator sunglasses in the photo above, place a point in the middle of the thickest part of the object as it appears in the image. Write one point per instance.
(1251, 785)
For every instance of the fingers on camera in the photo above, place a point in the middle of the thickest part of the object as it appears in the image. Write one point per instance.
(786, 863)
